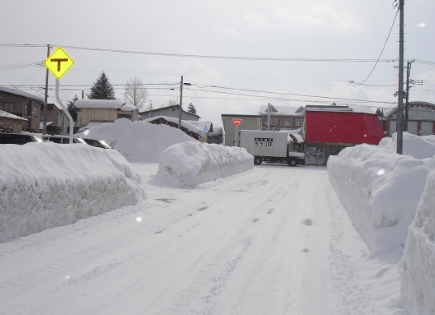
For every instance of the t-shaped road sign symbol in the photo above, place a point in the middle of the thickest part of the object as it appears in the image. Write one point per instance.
(59, 63)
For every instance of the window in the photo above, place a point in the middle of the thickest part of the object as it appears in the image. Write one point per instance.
(273, 121)
(7, 107)
(35, 111)
(287, 122)
(421, 113)
(299, 122)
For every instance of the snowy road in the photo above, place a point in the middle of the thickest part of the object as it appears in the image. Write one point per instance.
(272, 240)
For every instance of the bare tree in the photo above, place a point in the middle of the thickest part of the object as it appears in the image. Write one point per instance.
(173, 101)
(135, 93)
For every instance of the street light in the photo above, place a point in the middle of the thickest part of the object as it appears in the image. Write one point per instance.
(181, 101)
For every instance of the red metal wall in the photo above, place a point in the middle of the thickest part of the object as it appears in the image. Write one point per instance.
(353, 128)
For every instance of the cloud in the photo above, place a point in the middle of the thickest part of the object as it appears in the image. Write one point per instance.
(422, 24)
(308, 16)
(255, 20)
(230, 30)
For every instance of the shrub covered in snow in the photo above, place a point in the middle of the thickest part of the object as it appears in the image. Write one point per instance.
(418, 264)
(138, 141)
(192, 163)
(44, 185)
(380, 190)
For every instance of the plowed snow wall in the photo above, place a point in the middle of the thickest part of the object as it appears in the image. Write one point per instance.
(45, 185)
(380, 191)
(417, 267)
(193, 163)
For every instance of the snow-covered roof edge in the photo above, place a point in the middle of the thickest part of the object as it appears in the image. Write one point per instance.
(11, 116)
(111, 104)
(184, 123)
(21, 93)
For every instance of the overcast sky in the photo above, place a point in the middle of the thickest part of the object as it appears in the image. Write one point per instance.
(288, 39)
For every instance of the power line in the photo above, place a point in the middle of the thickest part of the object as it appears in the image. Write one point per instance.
(204, 56)
(385, 44)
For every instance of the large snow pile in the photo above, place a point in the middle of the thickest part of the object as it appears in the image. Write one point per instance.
(191, 163)
(380, 190)
(415, 146)
(418, 264)
(138, 141)
(44, 185)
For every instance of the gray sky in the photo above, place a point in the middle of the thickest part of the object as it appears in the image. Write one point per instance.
(269, 30)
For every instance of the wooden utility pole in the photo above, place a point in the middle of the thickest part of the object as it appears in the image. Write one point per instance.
(399, 121)
(181, 103)
(44, 128)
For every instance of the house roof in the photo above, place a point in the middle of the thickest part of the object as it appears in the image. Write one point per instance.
(241, 115)
(342, 127)
(388, 113)
(21, 93)
(184, 123)
(144, 113)
(110, 104)
(282, 110)
(4, 114)
(205, 126)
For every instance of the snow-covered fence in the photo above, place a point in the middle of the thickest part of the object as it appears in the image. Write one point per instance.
(192, 163)
(417, 267)
(44, 185)
(380, 191)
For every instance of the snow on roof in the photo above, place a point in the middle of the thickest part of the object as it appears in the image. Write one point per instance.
(112, 104)
(184, 123)
(92, 124)
(203, 125)
(282, 110)
(21, 93)
(128, 108)
(335, 108)
(11, 116)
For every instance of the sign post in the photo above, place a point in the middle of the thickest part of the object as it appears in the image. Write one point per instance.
(59, 63)
(237, 122)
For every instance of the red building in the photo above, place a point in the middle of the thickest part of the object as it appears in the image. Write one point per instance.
(329, 129)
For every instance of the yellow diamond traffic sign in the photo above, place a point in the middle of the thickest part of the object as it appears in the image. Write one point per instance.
(59, 63)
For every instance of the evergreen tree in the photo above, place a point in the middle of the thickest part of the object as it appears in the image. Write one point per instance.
(191, 109)
(72, 109)
(102, 89)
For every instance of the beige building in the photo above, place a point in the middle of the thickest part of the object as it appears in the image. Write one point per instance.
(249, 122)
(103, 111)
(11, 123)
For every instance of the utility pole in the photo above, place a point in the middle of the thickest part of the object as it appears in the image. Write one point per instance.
(44, 128)
(408, 72)
(399, 127)
(181, 103)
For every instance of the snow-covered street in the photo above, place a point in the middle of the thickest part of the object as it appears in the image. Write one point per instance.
(270, 240)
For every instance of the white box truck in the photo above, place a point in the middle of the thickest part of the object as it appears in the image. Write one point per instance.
(273, 146)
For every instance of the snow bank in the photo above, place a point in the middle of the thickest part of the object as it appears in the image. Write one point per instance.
(380, 190)
(137, 141)
(44, 185)
(417, 267)
(415, 146)
(191, 163)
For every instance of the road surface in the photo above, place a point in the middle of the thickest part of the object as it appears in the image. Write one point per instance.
(272, 240)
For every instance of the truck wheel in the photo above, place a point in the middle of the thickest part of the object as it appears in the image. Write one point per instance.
(258, 160)
(292, 162)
